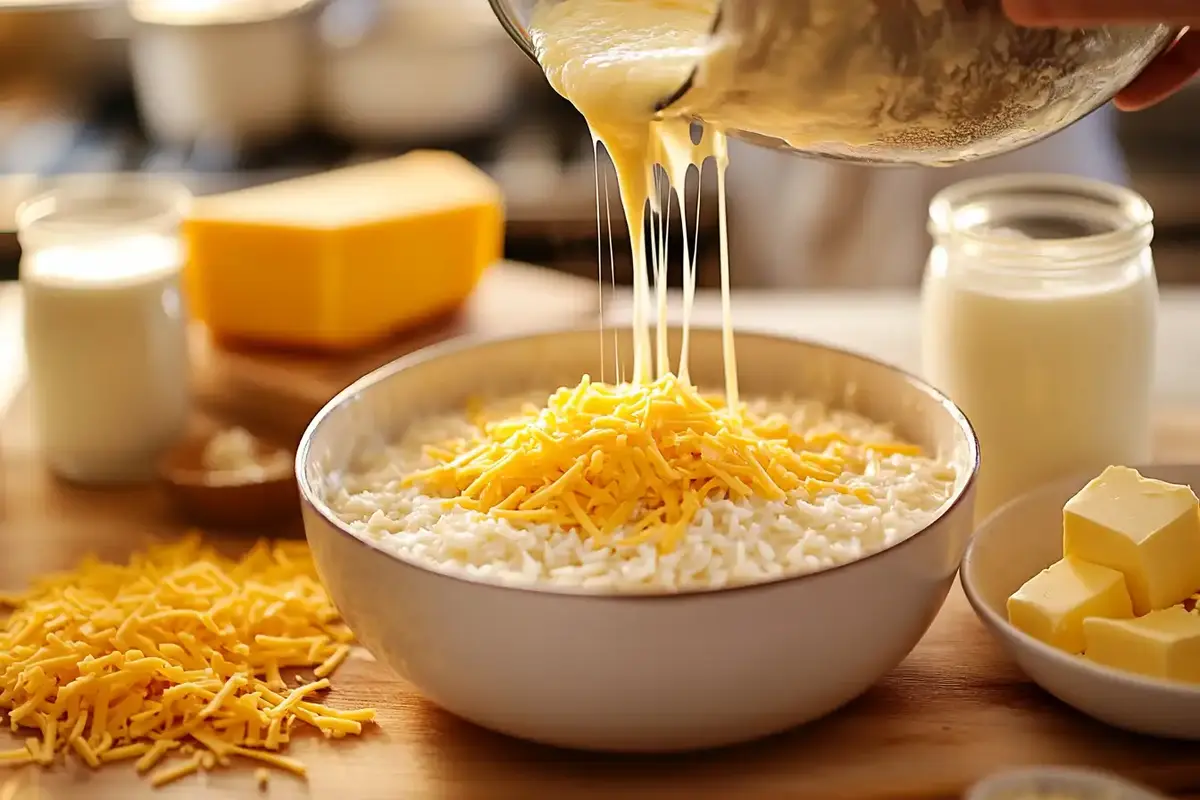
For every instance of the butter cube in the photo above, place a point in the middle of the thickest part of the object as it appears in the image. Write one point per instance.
(1162, 644)
(345, 258)
(1149, 530)
(1053, 604)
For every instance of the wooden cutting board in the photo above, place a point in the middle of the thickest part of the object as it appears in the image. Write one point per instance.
(284, 390)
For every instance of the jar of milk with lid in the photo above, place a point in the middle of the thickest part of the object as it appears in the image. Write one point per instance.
(1039, 311)
(105, 324)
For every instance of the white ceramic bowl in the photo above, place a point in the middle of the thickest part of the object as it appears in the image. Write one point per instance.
(1023, 538)
(1058, 782)
(635, 672)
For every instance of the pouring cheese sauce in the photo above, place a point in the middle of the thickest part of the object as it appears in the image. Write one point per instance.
(616, 60)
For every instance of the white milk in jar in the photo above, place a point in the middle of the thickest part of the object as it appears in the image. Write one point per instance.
(1039, 320)
(105, 326)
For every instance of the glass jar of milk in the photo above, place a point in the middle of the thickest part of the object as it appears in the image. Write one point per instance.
(1039, 311)
(105, 324)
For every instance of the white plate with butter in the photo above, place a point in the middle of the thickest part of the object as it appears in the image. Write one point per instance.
(1024, 538)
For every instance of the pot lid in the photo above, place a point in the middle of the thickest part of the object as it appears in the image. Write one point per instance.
(428, 22)
(214, 12)
(448, 17)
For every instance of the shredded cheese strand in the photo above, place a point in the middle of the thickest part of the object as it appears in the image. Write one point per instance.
(179, 646)
(644, 457)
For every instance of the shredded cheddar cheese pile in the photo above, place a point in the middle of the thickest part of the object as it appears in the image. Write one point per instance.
(601, 457)
(177, 654)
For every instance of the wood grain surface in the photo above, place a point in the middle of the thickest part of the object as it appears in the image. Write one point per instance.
(956, 710)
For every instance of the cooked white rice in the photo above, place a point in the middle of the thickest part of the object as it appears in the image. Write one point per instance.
(728, 542)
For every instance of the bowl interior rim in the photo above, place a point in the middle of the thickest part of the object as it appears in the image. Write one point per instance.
(1001, 625)
(469, 342)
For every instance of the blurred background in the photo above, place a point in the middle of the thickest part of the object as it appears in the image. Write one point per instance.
(225, 94)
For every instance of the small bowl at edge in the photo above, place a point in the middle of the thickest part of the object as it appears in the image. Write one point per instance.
(1021, 539)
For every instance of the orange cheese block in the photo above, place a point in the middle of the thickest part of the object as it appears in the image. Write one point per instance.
(343, 259)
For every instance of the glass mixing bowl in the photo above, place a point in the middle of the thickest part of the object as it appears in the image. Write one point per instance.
(930, 82)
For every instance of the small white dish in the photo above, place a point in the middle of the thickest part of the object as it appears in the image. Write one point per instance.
(1059, 783)
(1014, 544)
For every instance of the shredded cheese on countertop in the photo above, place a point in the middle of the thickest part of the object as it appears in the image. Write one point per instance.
(602, 458)
(177, 653)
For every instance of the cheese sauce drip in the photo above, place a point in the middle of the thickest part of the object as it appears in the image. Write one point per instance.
(616, 60)
(631, 463)
(679, 156)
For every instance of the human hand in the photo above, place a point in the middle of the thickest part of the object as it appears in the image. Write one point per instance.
(1165, 75)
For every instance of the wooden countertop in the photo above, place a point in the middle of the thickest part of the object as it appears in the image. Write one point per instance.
(956, 710)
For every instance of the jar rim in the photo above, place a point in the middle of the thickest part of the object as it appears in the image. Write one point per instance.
(163, 204)
(1134, 212)
(959, 217)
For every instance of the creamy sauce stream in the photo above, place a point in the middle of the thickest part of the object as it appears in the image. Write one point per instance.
(615, 60)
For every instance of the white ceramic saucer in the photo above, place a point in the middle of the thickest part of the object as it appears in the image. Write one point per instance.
(1058, 782)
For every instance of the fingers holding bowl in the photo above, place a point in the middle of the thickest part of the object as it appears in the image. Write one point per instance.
(1091, 13)
(1166, 75)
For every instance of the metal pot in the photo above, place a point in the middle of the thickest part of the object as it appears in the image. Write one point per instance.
(931, 82)
(234, 69)
(413, 70)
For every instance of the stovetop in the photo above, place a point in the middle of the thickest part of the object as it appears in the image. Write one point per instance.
(541, 155)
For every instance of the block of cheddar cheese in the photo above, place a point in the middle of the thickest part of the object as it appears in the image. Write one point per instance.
(1146, 529)
(1162, 644)
(343, 258)
(1053, 604)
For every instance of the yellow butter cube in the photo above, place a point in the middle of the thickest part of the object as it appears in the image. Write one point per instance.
(1149, 530)
(1163, 644)
(1053, 604)
(343, 258)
